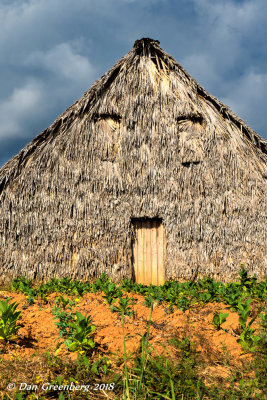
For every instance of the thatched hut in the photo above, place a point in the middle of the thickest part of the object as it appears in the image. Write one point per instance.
(147, 176)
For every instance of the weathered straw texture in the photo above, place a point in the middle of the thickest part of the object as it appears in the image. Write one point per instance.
(145, 140)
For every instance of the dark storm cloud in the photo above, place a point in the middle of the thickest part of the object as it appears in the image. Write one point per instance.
(51, 51)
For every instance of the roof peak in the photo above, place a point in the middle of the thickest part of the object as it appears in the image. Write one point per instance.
(141, 44)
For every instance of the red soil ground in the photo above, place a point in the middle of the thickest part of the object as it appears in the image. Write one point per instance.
(38, 332)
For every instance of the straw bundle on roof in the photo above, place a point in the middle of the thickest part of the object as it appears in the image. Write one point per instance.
(145, 141)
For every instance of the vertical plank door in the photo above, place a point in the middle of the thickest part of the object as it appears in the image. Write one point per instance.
(149, 251)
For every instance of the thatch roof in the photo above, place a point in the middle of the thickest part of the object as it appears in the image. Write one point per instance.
(145, 140)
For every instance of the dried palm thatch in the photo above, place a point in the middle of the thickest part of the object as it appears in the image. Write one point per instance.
(145, 141)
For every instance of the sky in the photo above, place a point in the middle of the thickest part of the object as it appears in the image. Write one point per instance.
(52, 51)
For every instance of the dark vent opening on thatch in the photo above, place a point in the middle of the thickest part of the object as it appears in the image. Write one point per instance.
(195, 118)
(187, 164)
(148, 251)
(115, 117)
(145, 218)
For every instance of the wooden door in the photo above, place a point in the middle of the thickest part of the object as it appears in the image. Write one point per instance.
(149, 251)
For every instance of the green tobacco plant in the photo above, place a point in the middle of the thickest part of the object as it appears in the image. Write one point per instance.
(183, 303)
(156, 293)
(30, 296)
(124, 306)
(259, 290)
(24, 285)
(149, 301)
(208, 290)
(232, 297)
(219, 319)
(8, 320)
(65, 285)
(243, 309)
(64, 302)
(247, 338)
(127, 285)
(246, 281)
(112, 292)
(101, 283)
(205, 297)
(263, 320)
(42, 292)
(21, 284)
(261, 342)
(64, 320)
(101, 366)
(82, 332)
